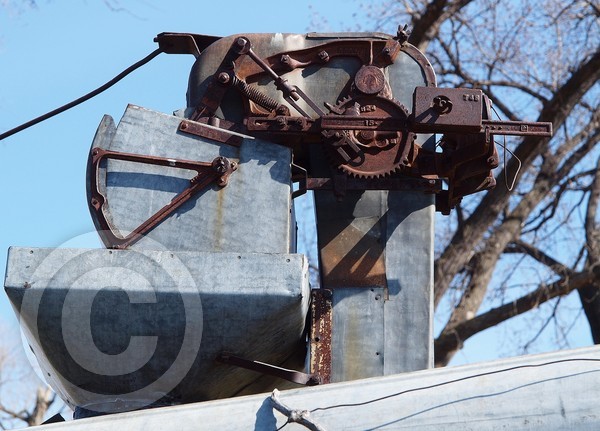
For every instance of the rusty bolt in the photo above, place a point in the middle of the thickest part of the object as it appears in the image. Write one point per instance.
(367, 135)
(285, 59)
(220, 165)
(442, 104)
(241, 42)
(323, 56)
(403, 34)
(314, 380)
(183, 126)
(224, 78)
(281, 121)
(387, 51)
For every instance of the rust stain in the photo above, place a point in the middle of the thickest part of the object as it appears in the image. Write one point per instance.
(320, 341)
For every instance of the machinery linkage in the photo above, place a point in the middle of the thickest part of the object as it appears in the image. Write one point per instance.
(366, 134)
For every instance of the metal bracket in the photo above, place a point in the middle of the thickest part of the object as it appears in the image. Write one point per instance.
(272, 370)
(217, 171)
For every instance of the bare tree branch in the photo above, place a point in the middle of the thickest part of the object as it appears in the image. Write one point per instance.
(519, 246)
(556, 111)
(427, 26)
(453, 338)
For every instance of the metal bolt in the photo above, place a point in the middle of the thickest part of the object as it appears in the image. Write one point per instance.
(323, 56)
(281, 121)
(387, 51)
(314, 380)
(183, 126)
(224, 78)
(220, 165)
(431, 182)
(285, 59)
(241, 42)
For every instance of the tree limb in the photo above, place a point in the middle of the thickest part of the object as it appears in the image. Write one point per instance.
(427, 25)
(452, 338)
(519, 246)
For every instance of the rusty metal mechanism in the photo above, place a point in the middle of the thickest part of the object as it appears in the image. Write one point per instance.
(215, 172)
(366, 133)
(369, 138)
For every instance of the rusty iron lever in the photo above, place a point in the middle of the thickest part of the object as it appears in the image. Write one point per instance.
(272, 370)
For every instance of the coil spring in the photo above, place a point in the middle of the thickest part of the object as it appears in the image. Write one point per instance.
(254, 94)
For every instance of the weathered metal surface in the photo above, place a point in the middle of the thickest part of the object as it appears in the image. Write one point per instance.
(358, 311)
(352, 70)
(251, 214)
(380, 240)
(216, 172)
(408, 309)
(117, 330)
(549, 392)
(368, 131)
(321, 319)
(437, 108)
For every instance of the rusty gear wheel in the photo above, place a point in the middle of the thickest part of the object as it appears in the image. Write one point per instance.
(380, 146)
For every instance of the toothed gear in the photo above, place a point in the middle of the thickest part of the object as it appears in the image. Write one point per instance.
(370, 153)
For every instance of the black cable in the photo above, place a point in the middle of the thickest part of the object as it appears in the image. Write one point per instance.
(82, 98)
(437, 385)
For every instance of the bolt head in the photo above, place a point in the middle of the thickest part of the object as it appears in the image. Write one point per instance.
(224, 78)
(323, 55)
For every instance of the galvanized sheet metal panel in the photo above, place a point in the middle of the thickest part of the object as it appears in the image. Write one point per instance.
(409, 264)
(357, 310)
(251, 214)
(179, 310)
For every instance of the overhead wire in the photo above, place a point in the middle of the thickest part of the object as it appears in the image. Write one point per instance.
(83, 98)
(519, 163)
(448, 382)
